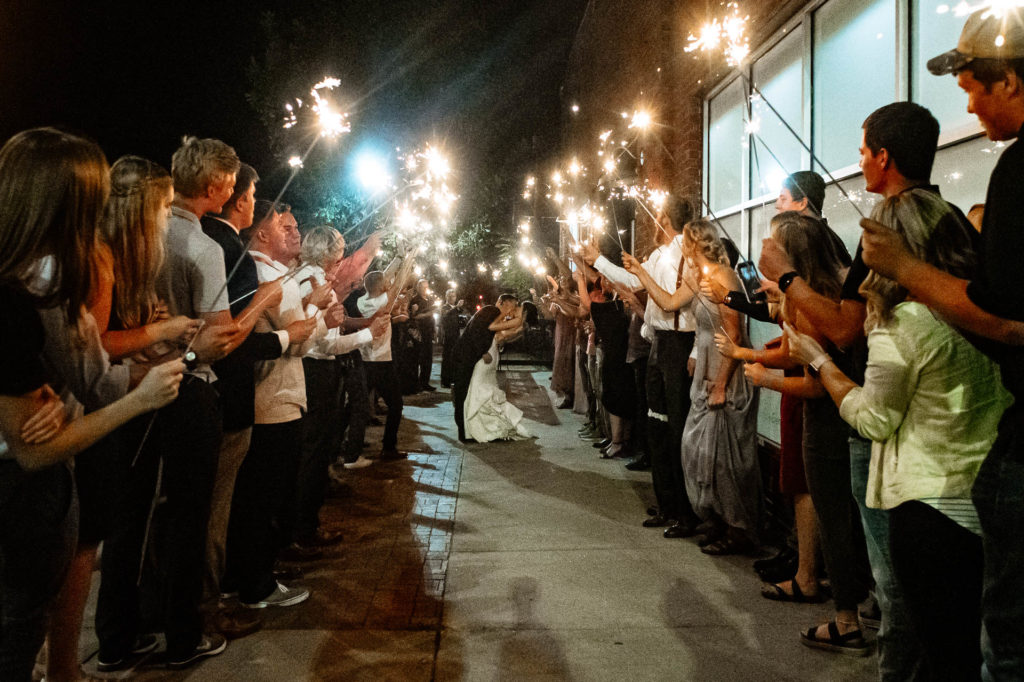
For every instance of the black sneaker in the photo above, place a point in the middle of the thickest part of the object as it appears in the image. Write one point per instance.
(144, 645)
(209, 645)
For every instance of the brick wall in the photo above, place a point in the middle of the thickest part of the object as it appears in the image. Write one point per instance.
(629, 54)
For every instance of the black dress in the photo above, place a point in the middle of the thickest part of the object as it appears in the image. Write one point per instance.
(617, 381)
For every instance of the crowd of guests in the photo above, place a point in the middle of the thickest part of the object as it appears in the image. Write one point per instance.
(185, 377)
(900, 371)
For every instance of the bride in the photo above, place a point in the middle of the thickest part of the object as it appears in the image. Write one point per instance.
(488, 415)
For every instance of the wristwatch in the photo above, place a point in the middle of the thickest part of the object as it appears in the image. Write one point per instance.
(786, 280)
(190, 360)
(818, 362)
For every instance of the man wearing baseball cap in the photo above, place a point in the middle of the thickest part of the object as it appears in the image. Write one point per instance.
(988, 63)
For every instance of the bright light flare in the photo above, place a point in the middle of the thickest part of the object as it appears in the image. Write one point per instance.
(372, 173)
(295, 162)
(641, 120)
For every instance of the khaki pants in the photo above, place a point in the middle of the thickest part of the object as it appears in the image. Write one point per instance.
(232, 452)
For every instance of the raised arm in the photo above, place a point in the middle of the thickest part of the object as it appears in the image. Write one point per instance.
(666, 301)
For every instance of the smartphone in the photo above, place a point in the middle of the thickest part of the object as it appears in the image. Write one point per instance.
(751, 280)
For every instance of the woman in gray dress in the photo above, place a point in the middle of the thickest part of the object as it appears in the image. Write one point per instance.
(719, 446)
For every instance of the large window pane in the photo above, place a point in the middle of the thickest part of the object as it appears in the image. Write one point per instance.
(779, 75)
(854, 73)
(933, 33)
(962, 172)
(841, 214)
(725, 147)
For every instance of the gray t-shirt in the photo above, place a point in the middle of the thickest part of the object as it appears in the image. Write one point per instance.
(192, 280)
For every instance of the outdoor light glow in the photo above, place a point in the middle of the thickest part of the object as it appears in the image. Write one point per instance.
(531, 181)
(574, 168)
(556, 177)
(609, 165)
(442, 265)
(372, 173)
(575, 108)
(481, 267)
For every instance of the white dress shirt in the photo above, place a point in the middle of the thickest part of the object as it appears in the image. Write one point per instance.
(328, 342)
(380, 351)
(281, 383)
(663, 267)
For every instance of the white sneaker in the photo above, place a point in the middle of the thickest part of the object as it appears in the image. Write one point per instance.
(360, 463)
(281, 596)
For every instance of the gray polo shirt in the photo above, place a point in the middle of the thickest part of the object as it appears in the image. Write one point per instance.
(192, 280)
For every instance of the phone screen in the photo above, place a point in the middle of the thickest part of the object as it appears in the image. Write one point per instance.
(751, 281)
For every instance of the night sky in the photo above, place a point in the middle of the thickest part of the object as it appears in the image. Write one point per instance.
(480, 76)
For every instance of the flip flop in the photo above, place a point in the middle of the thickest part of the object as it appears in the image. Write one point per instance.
(775, 592)
(851, 644)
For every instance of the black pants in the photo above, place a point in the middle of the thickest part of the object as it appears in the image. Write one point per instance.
(425, 358)
(355, 411)
(321, 441)
(186, 436)
(382, 377)
(448, 361)
(638, 435)
(826, 451)
(38, 528)
(261, 509)
(938, 565)
(668, 392)
(463, 374)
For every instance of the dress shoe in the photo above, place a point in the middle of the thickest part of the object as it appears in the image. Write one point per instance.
(602, 443)
(287, 572)
(321, 537)
(297, 553)
(235, 623)
(391, 454)
(656, 521)
(641, 463)
(428, 388)
(680, 529)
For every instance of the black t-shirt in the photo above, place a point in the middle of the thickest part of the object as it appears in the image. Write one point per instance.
(998, 283)
(21, 343)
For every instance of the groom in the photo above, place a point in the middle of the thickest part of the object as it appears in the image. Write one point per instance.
(474, 342)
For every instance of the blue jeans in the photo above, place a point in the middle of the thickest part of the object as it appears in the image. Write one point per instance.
(38, 532)
(900, 656)
(999, 498)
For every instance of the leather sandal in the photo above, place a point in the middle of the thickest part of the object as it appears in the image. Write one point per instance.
(775, 592)
(851, 644)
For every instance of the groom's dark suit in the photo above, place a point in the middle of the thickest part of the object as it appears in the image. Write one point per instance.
(471, 346)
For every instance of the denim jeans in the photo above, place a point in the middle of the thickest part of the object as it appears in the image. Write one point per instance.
(38, 531)
(900, 656)
(999, 498)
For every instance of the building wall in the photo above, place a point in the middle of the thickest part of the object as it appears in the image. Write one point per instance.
(629, 54)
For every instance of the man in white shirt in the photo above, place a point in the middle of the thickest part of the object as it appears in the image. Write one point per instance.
(263, 488)
(380, 370)
(323, 249)
(668, 379)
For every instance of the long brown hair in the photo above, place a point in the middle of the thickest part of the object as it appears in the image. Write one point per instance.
(133, 226)
(812, 251)
(52, 189)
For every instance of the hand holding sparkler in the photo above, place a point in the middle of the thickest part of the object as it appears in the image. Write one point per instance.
(160, 386)
(590, 252)
(774, 261)
(802, 347)
(178, 329)
(334, 316)
(632, 265)
(214, 341)
(713, 290)
(320, 296)
(300, 330)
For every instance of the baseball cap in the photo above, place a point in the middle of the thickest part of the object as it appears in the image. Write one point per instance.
(991, 33)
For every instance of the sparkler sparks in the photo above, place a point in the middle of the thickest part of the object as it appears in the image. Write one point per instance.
(331, 120)
(729, 34)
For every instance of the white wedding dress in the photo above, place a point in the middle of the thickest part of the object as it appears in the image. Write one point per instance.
(488, 415)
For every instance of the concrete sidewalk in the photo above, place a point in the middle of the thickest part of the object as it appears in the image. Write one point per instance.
(519, 561)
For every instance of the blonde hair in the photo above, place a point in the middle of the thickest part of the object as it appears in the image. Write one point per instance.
(52, 189)
(133, 227)
(933, 232)
(199, 163)
(705, 235)
(321, 244)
